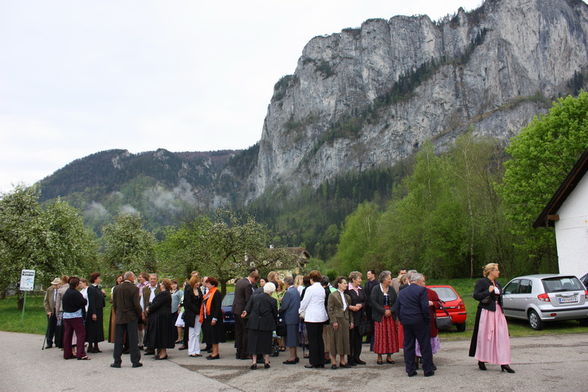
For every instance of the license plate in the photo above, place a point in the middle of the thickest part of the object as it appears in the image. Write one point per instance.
(567, 300)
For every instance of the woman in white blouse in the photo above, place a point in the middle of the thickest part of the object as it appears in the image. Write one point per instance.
(312, 309)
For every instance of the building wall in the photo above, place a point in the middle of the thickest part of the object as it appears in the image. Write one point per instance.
(571, 231)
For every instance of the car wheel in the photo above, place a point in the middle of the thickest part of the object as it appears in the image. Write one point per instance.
(460, 327)
(534, 320)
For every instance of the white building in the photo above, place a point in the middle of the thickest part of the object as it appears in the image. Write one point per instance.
(568, 212)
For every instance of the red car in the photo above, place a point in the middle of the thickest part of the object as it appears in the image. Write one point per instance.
(453, 305)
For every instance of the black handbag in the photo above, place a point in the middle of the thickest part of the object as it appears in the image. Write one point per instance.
(444, 322)
(281, 329)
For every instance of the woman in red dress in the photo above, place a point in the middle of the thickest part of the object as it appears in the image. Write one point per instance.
(382, 297)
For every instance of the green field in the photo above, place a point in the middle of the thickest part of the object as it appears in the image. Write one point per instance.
(35, 320)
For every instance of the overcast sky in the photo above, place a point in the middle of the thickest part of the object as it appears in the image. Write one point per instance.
(77, 77)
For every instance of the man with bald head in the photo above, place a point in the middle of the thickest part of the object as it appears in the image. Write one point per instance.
(127, 308)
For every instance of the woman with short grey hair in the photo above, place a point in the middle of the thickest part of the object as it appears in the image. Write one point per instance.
(262, 311)
(382, 298)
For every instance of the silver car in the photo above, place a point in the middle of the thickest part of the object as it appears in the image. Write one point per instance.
(540, 298)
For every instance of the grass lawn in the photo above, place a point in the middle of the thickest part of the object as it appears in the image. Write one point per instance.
(35, 320)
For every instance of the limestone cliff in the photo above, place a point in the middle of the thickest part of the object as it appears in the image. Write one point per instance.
(367, 97)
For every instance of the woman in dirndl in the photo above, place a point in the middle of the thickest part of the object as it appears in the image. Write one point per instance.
(382, 297)
(490, 342)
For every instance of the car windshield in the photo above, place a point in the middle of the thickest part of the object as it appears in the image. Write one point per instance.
(445, 293)
(228, 299)
(563, 283)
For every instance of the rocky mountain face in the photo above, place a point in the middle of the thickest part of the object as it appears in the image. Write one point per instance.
(368, 97)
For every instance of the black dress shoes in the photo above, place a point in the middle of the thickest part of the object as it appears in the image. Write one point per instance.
(482, 365)
(115, 365)
(506, 368)
(136, 365)
(414, 373)
(314, 366)
(429, 374)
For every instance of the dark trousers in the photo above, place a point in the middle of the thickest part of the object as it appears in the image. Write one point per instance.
(51, 327)
(316, 346)
(130, 329)
(173, 320)
(417, 332)
(355, 343)
(69, 326)
(241, 336)
(186, 336)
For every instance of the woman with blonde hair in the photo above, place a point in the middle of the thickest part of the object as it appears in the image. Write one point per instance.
(192, 303)
(490, 342)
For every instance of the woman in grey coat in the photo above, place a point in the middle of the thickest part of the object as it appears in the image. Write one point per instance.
(289, 313)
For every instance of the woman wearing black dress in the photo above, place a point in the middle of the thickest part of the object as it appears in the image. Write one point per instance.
(211, 317)
(262, 313)
(160, 331)
(95, 314)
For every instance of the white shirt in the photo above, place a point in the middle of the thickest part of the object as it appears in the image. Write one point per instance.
(152, 295)
(343, 300)
(84, 292)
(313, 304)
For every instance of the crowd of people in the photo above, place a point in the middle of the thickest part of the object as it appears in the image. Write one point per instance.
(327, 320)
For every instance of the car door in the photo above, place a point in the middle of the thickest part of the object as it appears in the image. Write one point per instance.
(509, 299)
(523, 298)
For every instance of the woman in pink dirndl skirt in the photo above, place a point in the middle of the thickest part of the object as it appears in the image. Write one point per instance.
(490, 341)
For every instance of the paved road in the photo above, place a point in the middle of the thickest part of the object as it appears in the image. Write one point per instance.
(550, 363)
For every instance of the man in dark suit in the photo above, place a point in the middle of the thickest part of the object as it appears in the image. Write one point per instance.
(369, 285)
(149, 293)
(412, 308)
(125, 303)
(243, 290)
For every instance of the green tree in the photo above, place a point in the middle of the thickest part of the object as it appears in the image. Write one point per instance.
(183, 248)
(357, 238)
(224, 248)
(232, 245)
(541, 156)
(50, 239)
(128, 246)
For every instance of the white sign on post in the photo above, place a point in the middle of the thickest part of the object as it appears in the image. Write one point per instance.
(27, 280)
